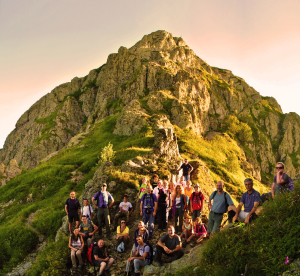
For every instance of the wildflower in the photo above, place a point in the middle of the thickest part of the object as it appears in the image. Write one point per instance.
(287, 260)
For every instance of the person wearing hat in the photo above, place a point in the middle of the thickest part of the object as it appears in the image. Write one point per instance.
(196, 203)
(102, 207)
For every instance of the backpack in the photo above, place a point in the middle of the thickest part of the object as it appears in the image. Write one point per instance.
(121, 247)
(290, 184)
(90, 255)
(195, 201)
(226, 203)
(76, 201)
(144, 203)
(152, 254)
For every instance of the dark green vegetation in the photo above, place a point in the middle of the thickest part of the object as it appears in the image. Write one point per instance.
(260, 248)
(49, 185)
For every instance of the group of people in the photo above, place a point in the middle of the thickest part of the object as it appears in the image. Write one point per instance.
(162, 200)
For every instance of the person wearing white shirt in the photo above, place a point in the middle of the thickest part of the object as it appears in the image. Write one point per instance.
(86, 210)
(125, 210)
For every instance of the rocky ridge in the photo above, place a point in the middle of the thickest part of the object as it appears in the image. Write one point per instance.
(160, 76)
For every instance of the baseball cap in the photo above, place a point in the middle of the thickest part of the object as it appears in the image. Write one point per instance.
(197, 185)
(104, 184)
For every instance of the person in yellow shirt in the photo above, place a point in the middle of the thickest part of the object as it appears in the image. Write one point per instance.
(123, 233)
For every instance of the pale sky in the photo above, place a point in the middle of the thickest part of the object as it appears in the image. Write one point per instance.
(46, 43)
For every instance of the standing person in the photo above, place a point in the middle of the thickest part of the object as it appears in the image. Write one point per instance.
(179, 205)
(196, 203)
(142, 189)
(181, 182)
(171, 248)
(168, 201)
(158, 188)
(76, 245)
(221, 200)
(281, 181)
(88, 229)
(188, 192)
(250, 199)
(162, 200)
(86, 210)
(124, 212)
(148, 208)
(141, 231)
(103, 208)
(187, 169)
(140, 259)
(100, 257)
(123, 233)
(154, 180)
(72, 206)
(172, 196)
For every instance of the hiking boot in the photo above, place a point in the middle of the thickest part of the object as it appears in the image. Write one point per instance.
(127, 273)
(73, 268)
(184, 244)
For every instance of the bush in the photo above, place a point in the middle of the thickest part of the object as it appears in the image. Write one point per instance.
(107, 153)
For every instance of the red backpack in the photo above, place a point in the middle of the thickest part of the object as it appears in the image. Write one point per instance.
(90, 251)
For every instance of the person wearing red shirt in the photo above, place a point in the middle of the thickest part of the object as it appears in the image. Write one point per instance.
(196, 202)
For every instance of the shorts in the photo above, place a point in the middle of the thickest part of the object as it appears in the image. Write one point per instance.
(97, 263)
(73, 218)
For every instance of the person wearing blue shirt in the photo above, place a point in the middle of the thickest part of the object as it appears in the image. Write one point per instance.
(250, 200)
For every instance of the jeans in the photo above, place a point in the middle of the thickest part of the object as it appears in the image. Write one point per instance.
(162, 213)
(178, 215)
(174, 256)
(214, 222)
(137, 264)
(186, 177)
(103, 212)
(150, 218)
(196, 214)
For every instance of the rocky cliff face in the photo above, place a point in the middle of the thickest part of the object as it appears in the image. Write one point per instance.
(159, 77)
(8, 172)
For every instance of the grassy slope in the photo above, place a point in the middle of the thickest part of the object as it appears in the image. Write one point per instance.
(50, 186)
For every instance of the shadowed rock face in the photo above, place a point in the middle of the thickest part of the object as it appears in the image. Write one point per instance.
(8, 172)
(159, 76)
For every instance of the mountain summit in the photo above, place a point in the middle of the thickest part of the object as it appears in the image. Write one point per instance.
(159, 77)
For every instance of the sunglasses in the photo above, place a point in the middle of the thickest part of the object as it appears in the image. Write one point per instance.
(123, 222)
(279, 168)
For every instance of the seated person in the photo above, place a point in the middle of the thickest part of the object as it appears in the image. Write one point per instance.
(187, 228)
(141, 258)
(76, 244)
(200, 231)
(123, 233)
(125, 210)
(250, 199)
(87, 229)
(172, 247)
(86, 210)
(100, 257)
(141, 231)
(281, 181)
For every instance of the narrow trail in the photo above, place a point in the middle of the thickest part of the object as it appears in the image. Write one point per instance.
(23, 267)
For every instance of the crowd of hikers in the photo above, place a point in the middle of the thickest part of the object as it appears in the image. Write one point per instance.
(159, 201)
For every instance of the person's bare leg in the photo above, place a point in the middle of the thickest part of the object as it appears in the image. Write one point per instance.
(70, 227)
(201, 238)
(102, 267)
(192, 236)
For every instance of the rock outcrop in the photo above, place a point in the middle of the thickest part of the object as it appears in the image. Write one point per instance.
(159, 76)
(8, 172)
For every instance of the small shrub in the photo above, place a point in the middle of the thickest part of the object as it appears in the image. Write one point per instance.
(107, 153)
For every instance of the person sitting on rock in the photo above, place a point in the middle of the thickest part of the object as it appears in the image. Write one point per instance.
(87, 229)
(123, 233)
(199, 232)
(142, 189)
(250, 200)
(187, 169)
(187, 227)
(124, 212)
(169, 245)
(72, 206)
(103, 208)
(154, 181)
(221, 200)
(76, 245)
(281, 181)
(140, 259)
(197, 205)
(86, 210)
(148, 209)
(141, 231)
(179, 205)
(100, 257)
